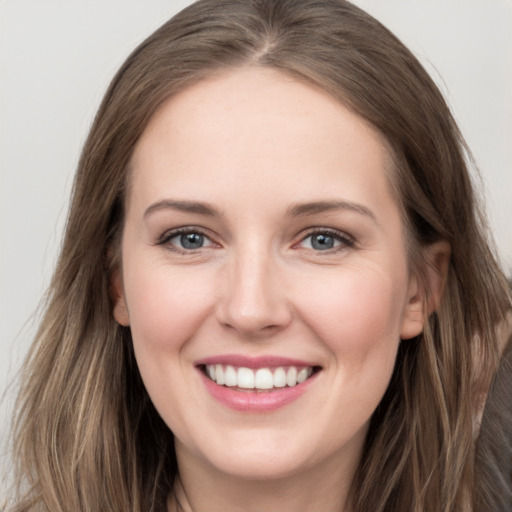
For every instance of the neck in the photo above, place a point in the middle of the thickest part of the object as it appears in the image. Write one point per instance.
(326, 488)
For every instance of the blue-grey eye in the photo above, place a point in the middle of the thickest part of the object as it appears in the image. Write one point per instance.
(186, 240)
(326, 240)
(322, 241)
(191, 240)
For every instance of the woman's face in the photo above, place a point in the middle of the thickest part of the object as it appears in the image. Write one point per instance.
(263, 247)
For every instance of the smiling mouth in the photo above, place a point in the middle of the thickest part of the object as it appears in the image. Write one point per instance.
(260, 379)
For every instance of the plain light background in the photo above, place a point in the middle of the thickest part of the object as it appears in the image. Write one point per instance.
(57, 57)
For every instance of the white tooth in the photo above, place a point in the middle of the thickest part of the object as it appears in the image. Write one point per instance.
(210, 370)
(245, 377)
(291, 376)
(230, 376)
(279, 378)
(303, 374)
(219, 374)
(263, 379)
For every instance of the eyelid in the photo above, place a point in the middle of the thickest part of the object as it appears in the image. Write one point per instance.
(346, 240)
(168, 235)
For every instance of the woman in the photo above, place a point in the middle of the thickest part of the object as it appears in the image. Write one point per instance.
(274, 289)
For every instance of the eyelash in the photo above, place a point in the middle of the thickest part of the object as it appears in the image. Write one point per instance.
(345, 241)
(169, 235)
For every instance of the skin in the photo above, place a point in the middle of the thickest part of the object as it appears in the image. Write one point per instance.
(252, 144)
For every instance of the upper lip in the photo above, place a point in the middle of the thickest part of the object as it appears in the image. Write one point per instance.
(253, 362)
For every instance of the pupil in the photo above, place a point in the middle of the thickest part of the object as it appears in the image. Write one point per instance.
(191, 240)
(322, 242)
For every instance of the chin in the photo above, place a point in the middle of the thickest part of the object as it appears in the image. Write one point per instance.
(260, 467)
(263, 456)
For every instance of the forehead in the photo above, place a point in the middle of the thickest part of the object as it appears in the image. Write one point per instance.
(257, 128)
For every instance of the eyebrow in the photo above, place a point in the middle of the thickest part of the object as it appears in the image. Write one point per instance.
(297, 210)
(183, 206)
(313, 208)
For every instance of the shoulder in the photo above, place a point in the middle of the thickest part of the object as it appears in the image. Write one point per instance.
(493, 463)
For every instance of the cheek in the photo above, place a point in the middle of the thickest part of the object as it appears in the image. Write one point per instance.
(357, 317)
(356, 313)
(165, 307)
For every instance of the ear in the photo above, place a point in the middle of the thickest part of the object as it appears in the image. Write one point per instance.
(425, 295)
(120, 311)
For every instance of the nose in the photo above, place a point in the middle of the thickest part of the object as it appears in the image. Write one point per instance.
(253, 298)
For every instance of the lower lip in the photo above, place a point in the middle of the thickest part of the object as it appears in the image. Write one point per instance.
(256, 401)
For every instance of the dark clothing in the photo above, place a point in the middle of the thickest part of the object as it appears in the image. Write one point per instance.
(494, 445)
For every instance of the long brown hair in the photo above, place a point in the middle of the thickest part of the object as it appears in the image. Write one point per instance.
(87, 435)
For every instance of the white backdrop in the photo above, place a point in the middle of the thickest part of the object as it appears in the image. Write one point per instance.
(57, 57)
